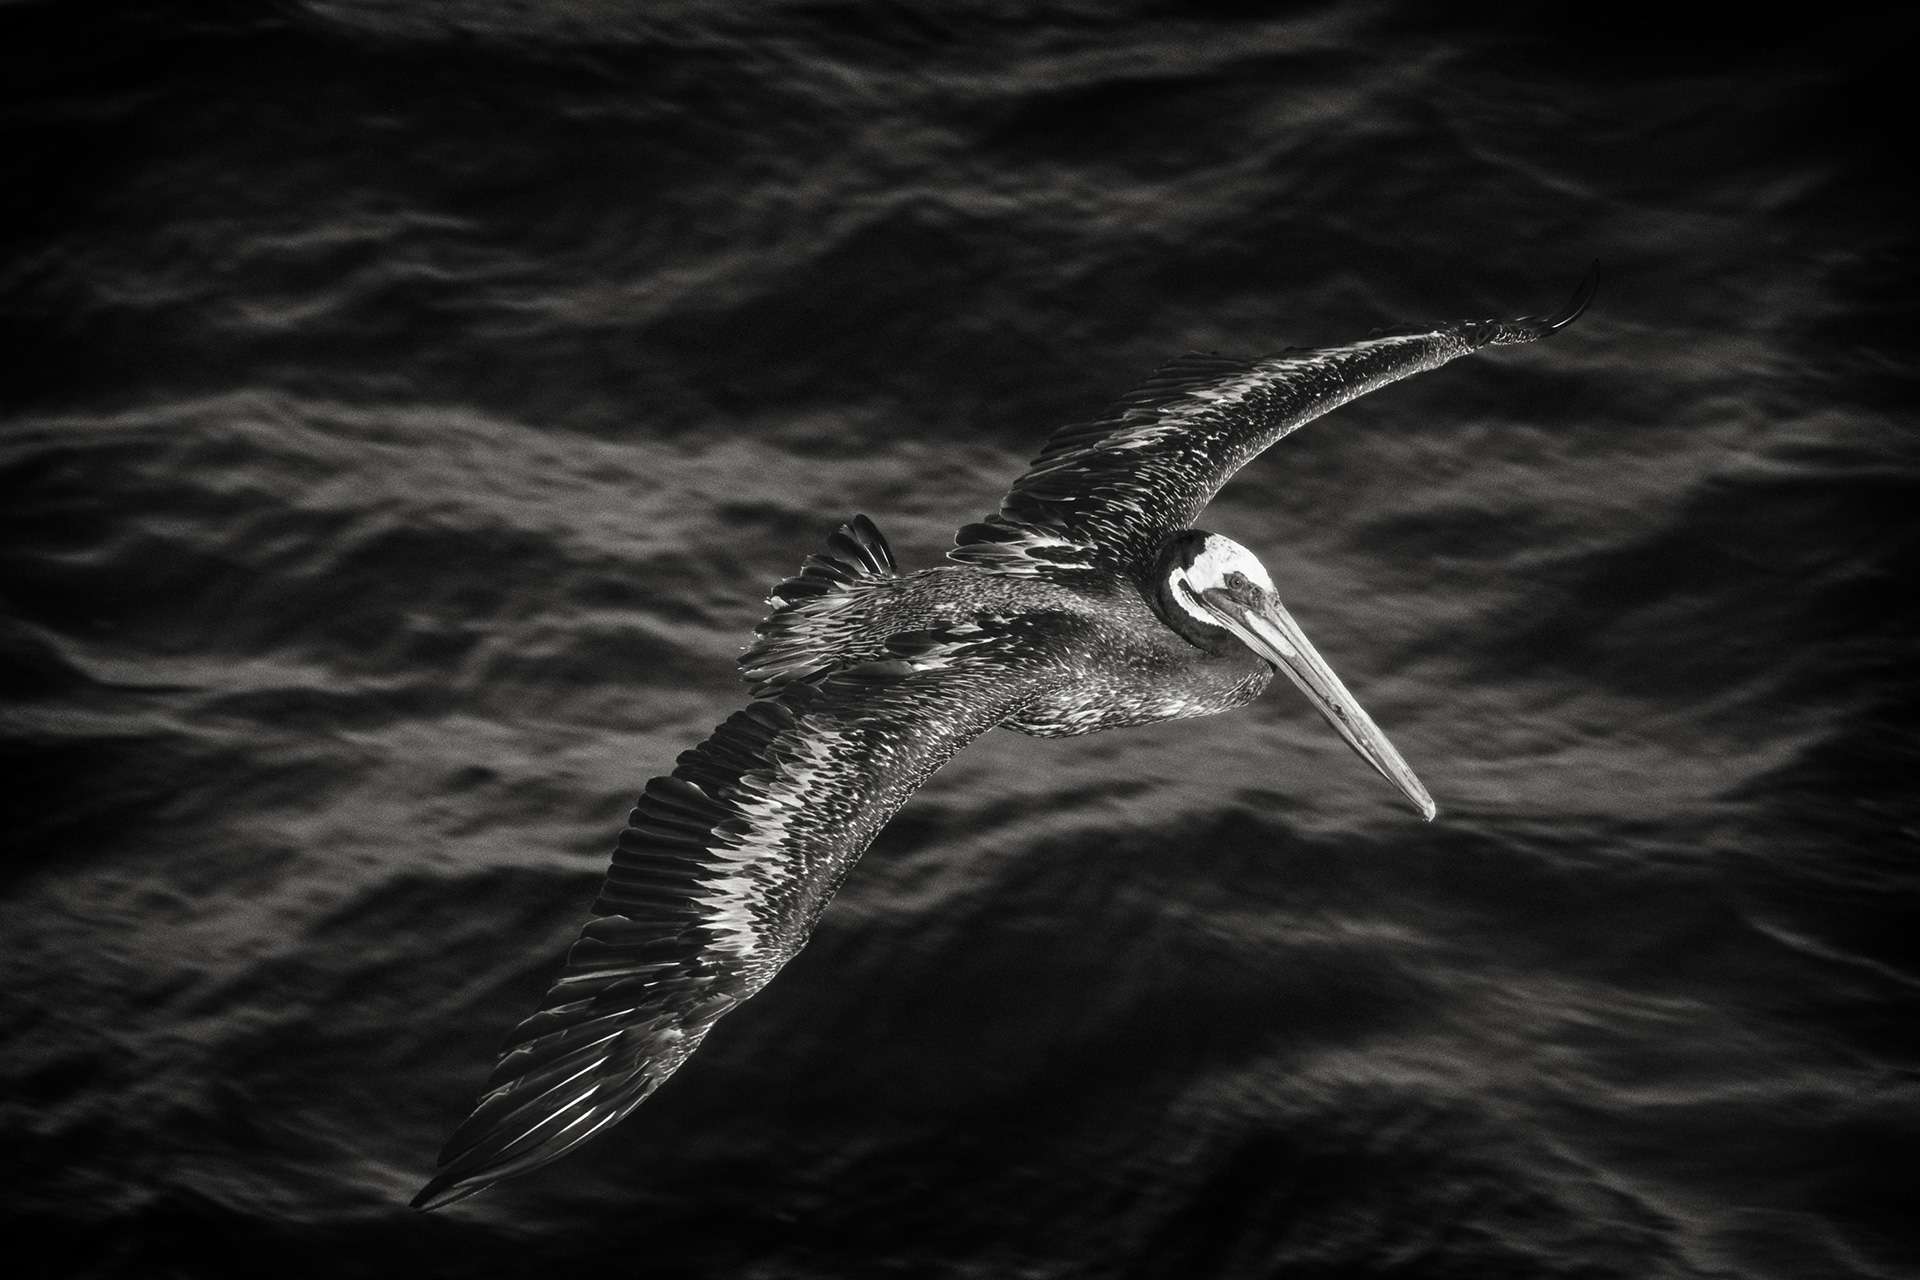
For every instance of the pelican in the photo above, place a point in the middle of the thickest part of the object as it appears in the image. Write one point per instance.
(1087, 602)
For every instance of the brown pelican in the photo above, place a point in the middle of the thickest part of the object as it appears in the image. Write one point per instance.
(1087, 602)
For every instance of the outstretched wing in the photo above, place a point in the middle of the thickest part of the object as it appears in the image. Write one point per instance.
(1103, 496)
(716, 882)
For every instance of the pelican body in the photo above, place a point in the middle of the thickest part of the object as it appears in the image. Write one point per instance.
(1087, 602)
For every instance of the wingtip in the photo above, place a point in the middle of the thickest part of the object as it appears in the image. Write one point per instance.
(1576, 305)
(1533, 328)
(441, 1191)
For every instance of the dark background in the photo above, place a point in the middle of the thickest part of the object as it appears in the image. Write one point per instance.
(403, 417)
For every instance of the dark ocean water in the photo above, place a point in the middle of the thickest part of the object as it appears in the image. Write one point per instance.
(403, 416)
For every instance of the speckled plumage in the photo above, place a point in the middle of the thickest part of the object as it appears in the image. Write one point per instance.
(1054, 622)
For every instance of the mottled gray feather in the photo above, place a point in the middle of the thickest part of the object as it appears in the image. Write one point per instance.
(716, 883)
(1103, 496)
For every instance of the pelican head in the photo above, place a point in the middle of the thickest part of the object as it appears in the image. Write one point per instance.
(1216, 594)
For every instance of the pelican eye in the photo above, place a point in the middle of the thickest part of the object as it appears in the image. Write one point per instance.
(1240, 584)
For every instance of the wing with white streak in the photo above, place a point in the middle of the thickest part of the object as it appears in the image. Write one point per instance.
(715, 884)
(1103, 496)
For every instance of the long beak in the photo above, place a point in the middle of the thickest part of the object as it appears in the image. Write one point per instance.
(1269, 630)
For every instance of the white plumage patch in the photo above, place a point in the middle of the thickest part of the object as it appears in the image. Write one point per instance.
(1218, 559)
(760, 854)
(1012, 552)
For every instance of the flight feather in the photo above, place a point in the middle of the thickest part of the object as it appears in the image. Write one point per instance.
(1103, 496)
(716, 882)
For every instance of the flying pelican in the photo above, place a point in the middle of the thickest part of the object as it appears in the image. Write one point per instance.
(1087, 602)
